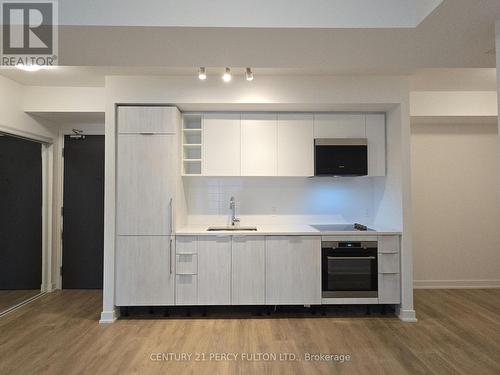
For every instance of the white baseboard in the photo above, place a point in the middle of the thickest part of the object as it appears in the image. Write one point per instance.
(456, 284)
(108, 317)
(408, 316)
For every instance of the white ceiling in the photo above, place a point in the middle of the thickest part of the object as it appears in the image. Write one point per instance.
(458, 34)
(244, 13)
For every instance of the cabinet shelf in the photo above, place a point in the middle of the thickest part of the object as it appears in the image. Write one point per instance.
(192, 144)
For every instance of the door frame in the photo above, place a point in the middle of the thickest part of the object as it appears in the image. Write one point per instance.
(47, 156)
(87, 129)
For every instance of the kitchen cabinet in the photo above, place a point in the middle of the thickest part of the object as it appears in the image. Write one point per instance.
(144, 271)
(258, 144)
(186, 289)
(214, 270)
(339, 125)
(389, 270)
(295, 144)
(221, 144)
(186, 269)
(146, 173)
(143, 119)
(145, 184)
(375, 134)
(248, 270)
(293, 270)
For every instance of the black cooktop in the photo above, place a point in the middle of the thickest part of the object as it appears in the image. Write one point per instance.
(341, 227)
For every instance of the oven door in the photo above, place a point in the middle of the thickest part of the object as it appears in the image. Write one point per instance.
(350, 276)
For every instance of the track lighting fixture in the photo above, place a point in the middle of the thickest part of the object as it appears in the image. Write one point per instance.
(249, 74)
(202, 74)
(227, 75)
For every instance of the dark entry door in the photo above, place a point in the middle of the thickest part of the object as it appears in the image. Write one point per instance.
(20, 213)
(83, 212)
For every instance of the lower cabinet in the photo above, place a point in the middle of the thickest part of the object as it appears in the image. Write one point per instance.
(186, 289)
(248, 286)
(389, 270)
(214, 270)
(293, 270)
(389, 288)
(144, 274)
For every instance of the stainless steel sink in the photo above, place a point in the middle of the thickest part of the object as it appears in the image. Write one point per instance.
(232, 229)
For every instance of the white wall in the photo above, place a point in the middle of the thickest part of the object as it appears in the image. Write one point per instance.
(63, 99)
(456, 235)
(12, 116)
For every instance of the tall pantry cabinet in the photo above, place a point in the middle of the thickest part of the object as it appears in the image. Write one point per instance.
(146, 159)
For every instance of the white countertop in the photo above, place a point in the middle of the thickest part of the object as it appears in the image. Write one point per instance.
(276, 230)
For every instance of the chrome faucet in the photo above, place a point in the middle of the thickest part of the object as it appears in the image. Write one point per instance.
(232, 207)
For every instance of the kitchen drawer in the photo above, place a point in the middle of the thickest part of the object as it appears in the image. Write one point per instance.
(388, 263)
(186, 264)
(186, 245)
(186, 289)
(389, 288)
(388, 244)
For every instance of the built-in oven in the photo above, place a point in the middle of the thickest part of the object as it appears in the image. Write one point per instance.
(349, 269)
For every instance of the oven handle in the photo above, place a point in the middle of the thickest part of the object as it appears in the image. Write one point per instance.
(353, 258)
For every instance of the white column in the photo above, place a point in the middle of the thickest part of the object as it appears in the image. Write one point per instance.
(109, 312)
(498, 98)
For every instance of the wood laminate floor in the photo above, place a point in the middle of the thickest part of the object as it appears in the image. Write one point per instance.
(458, 332)
(10, 298)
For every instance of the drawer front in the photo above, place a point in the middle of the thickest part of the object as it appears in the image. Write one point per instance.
(389, 288)
(388, 263)
(186, 290)
(186, 245)
(186, 264)
(388, 244)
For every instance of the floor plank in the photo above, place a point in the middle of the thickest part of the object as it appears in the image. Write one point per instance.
(458, 332)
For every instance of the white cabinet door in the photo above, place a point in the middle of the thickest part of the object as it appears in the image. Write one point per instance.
(375, 133)
(389, 288)
(214, 270)
(144, 275)
(221, 144)
(339, 125)
(140, 119)
(258, 144)
(145, 184)
(248, 270)
(293, 270)
(295, 145)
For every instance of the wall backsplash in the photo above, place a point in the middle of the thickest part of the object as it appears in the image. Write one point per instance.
(280, 200)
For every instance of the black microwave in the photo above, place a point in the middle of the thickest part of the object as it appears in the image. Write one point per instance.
(340, 157)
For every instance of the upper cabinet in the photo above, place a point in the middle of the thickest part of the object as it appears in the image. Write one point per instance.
(339, 125)
(221, 144)
(295, 144)
(145, 184)
(375, 133)
(150, 120)
(258, 144)
(273, 144)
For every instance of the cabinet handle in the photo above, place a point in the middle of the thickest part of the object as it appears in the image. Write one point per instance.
(170, 253)
(171, 214)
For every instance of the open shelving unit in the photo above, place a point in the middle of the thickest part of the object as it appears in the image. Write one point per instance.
(191, 144)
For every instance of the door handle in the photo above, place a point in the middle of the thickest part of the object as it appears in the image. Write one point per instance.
(350, 258)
